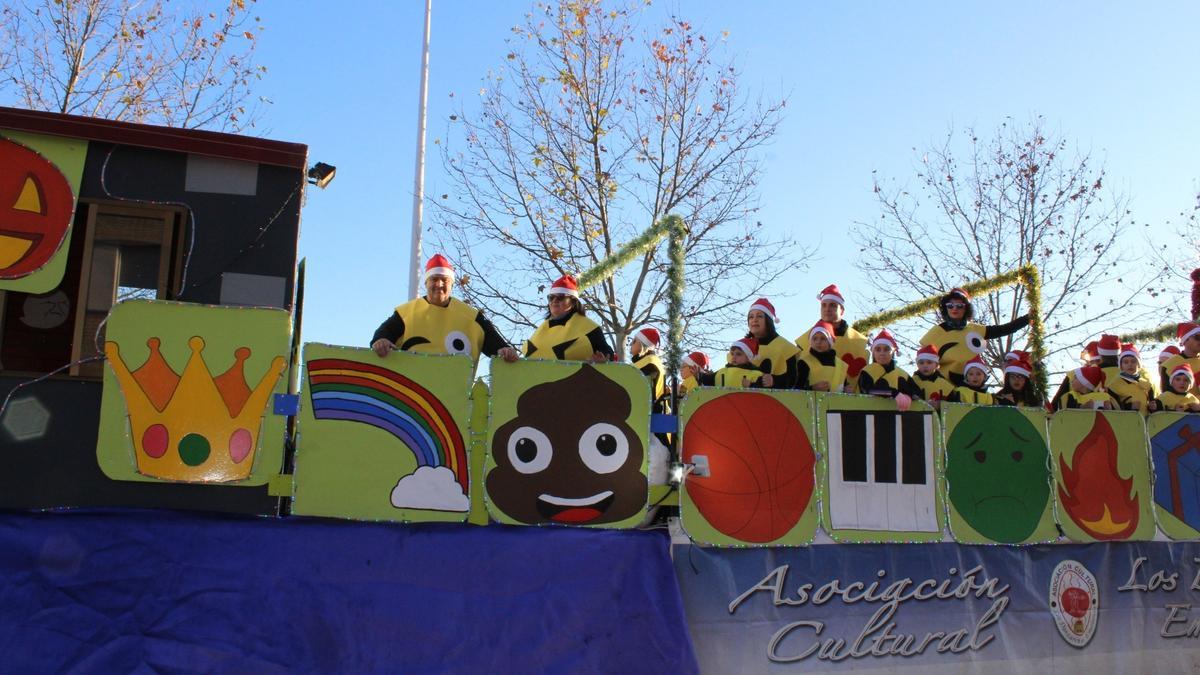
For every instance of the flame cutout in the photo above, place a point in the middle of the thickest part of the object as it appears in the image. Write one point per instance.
(1093, 493)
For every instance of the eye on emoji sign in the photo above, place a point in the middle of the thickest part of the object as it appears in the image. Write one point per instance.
(996, 465)
(569, 456)
(35, 210)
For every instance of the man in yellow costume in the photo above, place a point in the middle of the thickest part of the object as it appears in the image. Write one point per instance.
(436, 323)
(849, 344)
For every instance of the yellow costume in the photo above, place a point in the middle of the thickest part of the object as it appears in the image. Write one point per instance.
(956, 347)
(933, 388)
(1092, 399)
(849, 347)
(1169, 400)
(817, 371)
(731, 376)
(777, 351)
(689, 383)
(1128, 392)
(440, 330)
(965, 394)
(566, 341)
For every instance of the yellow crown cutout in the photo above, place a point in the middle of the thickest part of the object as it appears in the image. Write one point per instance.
(194, 427)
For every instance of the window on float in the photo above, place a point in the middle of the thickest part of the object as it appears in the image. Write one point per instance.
(118, 252)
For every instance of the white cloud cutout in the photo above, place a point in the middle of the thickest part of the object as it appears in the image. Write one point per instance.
(430, 487)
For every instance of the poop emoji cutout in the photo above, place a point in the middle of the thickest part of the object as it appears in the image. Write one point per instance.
(569, 456)
(996, 466)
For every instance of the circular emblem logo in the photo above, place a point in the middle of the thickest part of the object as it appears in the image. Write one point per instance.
(1074, 602)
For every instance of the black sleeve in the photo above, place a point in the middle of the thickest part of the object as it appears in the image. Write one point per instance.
(865, 382)
(802, 372)
(909, 387)
(651, 371)
(706, 379)
(599, 344)
(1000, 330)
(493, 341)
(1164, 380)
(390, 330)
(1069, 402)
(954, 397)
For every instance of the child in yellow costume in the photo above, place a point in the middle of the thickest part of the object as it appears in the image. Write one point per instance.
(957, 339)
(1189, 353)
(1129, 385)
(934, 386)
(819, 367)
(883, 378)
(974, 387)
(693, 365)
(1087, 390)
(1018, 385)
(849, 344)
(740, 371)
(643, 352)
(1179, 398)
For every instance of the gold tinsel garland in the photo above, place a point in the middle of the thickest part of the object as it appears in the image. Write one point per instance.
(1026, 276)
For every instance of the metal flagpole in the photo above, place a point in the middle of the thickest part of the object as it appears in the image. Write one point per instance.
(414, 279)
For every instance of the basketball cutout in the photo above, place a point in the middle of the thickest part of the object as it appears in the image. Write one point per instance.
(760, 466)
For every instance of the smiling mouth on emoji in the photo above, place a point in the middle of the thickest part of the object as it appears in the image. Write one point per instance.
(13, 248)
(574, 510)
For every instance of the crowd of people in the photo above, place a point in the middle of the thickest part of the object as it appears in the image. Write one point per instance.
(829, 357)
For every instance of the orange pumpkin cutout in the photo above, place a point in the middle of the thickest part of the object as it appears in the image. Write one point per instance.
(36, 204)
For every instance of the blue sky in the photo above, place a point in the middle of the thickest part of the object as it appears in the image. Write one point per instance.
(867, 82)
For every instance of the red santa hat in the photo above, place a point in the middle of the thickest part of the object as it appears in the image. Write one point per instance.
(1016, 355)
(438, 266)
(1187, 329)
(748, 345)
(697, 360)
(1019, 367)
(978, 364)
(823, 327)
(1184, 369)
(831, 294)
(564, 285)
(1129, 350)
(648, 336)
(960, 292)
(1090, 377)
(1168, 352)
(764, 305)
(886, 338)
(927, 353)
(1090, 351)
(1108, 345)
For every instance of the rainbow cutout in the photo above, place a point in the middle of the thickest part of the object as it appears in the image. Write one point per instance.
(360, 392)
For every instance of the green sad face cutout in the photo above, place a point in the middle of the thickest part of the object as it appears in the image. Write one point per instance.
(996, 466)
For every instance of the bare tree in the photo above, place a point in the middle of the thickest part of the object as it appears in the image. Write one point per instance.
(132, 60)
(588, 135)
(1017, 197)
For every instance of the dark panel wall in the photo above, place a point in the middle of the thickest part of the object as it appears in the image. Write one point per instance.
(227, 233)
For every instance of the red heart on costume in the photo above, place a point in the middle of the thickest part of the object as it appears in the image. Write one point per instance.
(854, 365)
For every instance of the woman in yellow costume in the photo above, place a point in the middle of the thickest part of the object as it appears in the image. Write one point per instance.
(776, 356)
(958, 339)
(439, 324)
(567, 334)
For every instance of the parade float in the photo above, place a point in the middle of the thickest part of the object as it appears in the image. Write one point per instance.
(413, 517)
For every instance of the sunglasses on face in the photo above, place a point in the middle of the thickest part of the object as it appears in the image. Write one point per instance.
(956, 305)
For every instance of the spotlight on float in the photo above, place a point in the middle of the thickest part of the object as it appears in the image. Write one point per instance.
(321, 174)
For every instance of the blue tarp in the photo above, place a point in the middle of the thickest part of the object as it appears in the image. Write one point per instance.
(143, 591)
